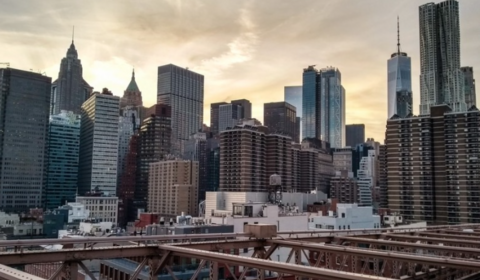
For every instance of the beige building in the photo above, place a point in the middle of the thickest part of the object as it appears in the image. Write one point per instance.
(102, 208)
(433, 166)
(173, 187)
(344, 189)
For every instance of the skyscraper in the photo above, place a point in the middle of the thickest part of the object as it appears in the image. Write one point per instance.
(154, 145)
(70, 90)
(24, 113)
(469, 87)
(196, 150)
(228, 116)
(246, 109)
(324, 106)
(182, 90)
(355, 134)
(280, 117)
(399, 82)
(63, 152)
(214, 116)
(440, 75)
(99, 143)
(293, 95)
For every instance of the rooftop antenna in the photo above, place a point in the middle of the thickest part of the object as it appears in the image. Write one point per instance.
(73, 33)
(398, 35)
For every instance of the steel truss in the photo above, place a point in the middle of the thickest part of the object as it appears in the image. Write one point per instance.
(429, 253)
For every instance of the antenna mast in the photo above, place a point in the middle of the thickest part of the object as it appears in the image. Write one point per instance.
(398, 35)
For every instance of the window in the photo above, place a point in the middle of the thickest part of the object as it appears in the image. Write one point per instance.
(348, 226)
(343, 215)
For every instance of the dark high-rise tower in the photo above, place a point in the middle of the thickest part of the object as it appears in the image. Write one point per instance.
(24, 113)
(182, 90)
(246, 111)
(440, 74)
(355, 134)
(281, 117)
(214, 116)
(469, 87)
(70, 90)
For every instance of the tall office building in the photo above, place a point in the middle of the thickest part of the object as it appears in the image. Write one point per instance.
(213, 164)
(99, 143)
(182, 90)
(70, 90)
(383, 176)
(128, 180)
(173, 188)
(441, 79)
(399, 68)
(323, 104)
(154, 145)
(433, 166)
(469, 87)
(355, 134)
(196, 150)
(63, 152)
(228, 116)
(293, 95)
(214, 117)
(246, 108)
(24, 113)
(281, 117)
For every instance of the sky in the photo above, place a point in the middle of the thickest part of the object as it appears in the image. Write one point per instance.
(245, 48)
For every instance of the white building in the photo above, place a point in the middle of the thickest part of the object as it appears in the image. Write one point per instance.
(8, 219)
(99, 143)
(101, 208)
(366, 179)
(77, 212)
(348, 216)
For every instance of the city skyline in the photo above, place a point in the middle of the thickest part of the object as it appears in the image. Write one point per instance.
(233, 55)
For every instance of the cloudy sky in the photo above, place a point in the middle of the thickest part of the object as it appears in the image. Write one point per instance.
(245, 48)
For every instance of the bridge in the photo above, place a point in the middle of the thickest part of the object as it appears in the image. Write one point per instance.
(441, 252)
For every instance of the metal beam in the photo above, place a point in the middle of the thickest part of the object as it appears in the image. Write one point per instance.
(411, 245)
(87, 271)
(305, 271)
(454, 263)
(440, 235)
(458, 232)
(432, 239)
(72, 255)
(139, 269)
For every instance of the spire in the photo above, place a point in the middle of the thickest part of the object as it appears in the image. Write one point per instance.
(73, 33)
(398, 35)
(72, 52)
(132, 86)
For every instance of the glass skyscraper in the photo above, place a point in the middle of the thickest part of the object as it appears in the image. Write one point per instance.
(63, 148)
(293, 95)
(324, 106)
(399, 81)
(24, 113)
(182, 90)
(441, 79)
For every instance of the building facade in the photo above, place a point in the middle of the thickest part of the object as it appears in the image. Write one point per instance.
(229, 116)
(440, 75)
(343, 189)
(99, 143)
(70, 90)
(281, 117)
(323, 104)
(173, 188)
(469, 87)
(101, 208)
(128, 125)
(433, 168)
(154, 145)
(196, 149)
(182, 90)
(246, 108)
(342, 160)
(355, 134)
(214, 117)
(24, 118)
(63, 153)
